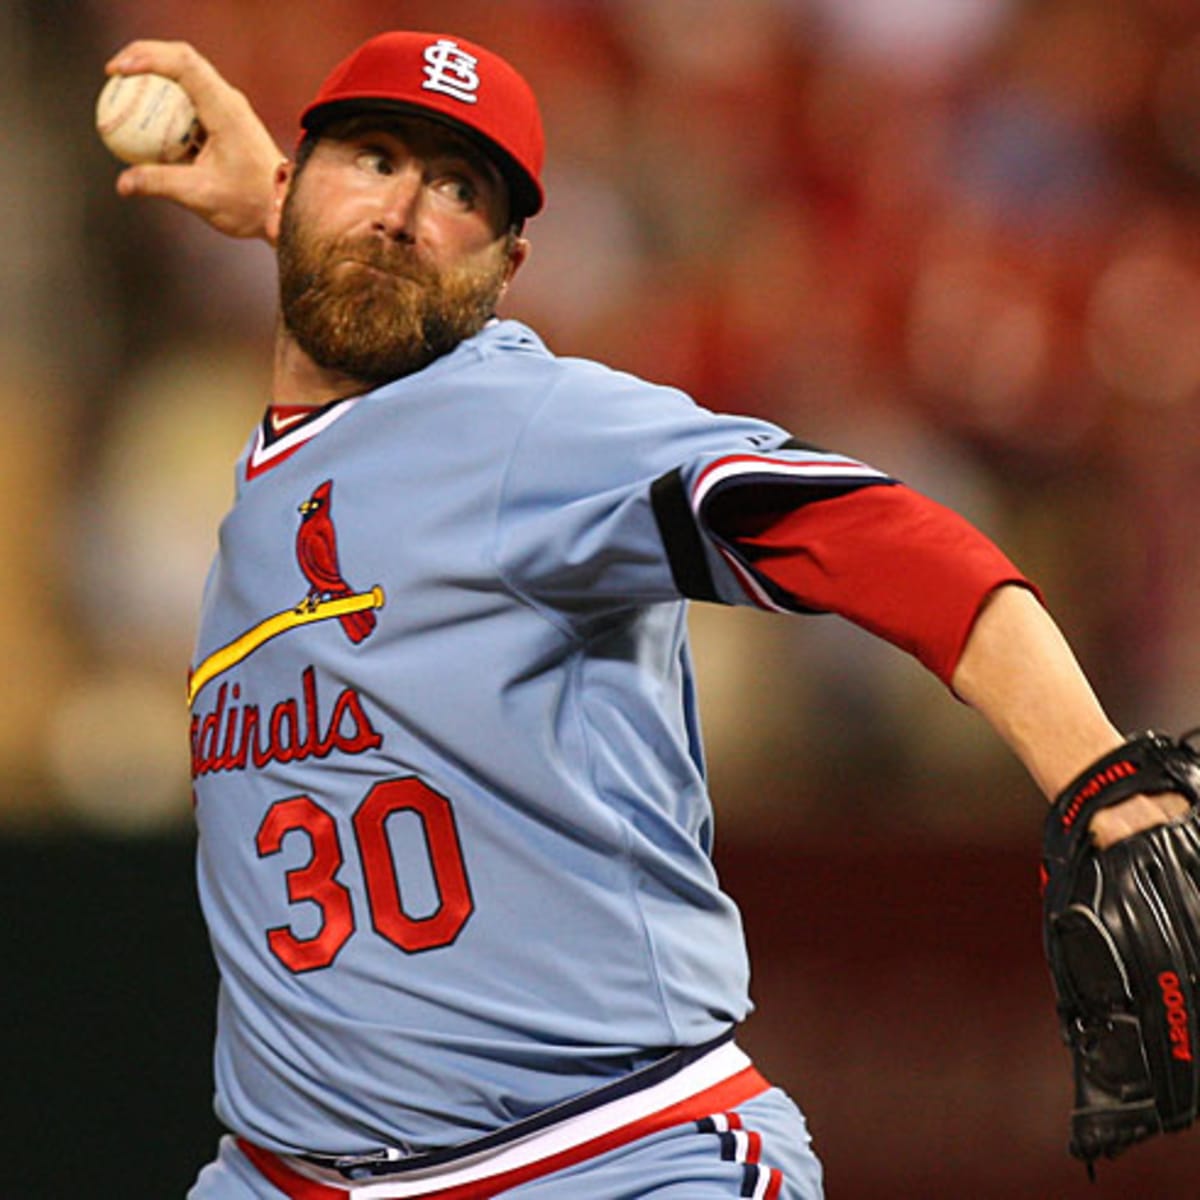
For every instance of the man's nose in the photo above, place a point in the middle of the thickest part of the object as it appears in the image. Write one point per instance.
(400, 201)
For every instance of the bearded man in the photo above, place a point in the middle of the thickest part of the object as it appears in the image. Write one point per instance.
(456, 860)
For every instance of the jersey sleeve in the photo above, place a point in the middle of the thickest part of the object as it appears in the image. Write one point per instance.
(621, 493)
(604, 478)
(889, 559)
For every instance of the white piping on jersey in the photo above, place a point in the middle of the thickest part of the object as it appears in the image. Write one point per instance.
(764, 1179)
(264, 454)
(750, 584)
(755, 464)
(732, 466)
(715, 1068)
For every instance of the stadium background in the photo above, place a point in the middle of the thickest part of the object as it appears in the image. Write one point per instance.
(958, 238)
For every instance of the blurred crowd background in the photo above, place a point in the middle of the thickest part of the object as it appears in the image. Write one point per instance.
(959, 239)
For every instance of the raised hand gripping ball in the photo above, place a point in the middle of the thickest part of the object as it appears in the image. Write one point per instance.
(147, 118)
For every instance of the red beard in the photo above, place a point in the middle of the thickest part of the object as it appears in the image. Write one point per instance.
(371, 309)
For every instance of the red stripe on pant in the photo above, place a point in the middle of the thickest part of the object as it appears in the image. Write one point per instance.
(735, 1090)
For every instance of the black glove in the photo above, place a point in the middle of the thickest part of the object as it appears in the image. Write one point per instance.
(1122, 938)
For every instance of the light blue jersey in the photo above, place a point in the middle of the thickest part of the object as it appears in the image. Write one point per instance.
(454, 835)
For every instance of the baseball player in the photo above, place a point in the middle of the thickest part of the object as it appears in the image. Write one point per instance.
(454, 833)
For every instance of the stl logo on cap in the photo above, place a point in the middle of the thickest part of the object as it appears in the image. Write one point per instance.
(451, 70)
(447, 78)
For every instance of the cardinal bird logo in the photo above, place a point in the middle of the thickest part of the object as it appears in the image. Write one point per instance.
(316, 549)
(329, 597)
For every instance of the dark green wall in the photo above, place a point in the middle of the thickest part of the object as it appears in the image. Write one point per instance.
(106, 1014)
(902, 1000)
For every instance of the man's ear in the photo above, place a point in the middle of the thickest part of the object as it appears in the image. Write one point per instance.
(284, 174)
(518, 255)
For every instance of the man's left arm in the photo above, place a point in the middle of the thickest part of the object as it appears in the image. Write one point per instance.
(1019, 673)
(920, 576)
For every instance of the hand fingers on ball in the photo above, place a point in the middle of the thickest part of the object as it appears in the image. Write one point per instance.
(212, 94)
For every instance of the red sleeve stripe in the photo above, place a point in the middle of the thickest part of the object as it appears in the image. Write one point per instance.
(825, 472)
(736, 466)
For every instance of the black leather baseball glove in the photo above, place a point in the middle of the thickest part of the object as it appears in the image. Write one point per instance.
(1122, 938)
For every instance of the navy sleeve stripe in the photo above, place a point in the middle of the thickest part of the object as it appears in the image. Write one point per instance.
(822, 474)
(677, 528)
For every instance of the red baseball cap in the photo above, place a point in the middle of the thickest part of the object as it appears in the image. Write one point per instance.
(446, 78)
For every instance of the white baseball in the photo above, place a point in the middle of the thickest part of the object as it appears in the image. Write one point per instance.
(147, 118)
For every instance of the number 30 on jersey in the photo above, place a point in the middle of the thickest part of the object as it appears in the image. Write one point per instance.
(316, 881)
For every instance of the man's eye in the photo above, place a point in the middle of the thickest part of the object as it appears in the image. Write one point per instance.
(376, 161)
(459, 189)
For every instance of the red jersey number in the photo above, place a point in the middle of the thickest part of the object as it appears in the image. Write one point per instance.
(316, 881)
